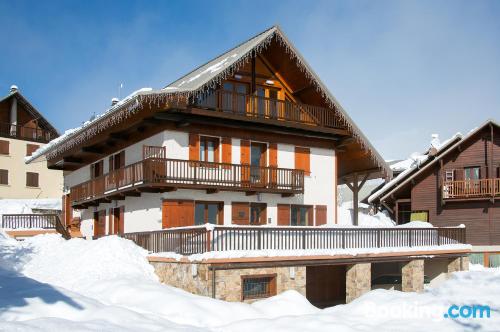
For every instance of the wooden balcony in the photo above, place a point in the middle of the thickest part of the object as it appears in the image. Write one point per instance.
(162, 174)
(251, 106)
(25, 133)
(200, 239)
(466, 189)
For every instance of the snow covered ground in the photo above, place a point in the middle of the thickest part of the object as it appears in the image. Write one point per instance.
(49, 284)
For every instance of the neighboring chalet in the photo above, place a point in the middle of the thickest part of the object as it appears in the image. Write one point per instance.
(457, 183)
(22, 131)
(253, 144)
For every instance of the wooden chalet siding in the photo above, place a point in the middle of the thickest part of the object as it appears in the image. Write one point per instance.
(481, 217)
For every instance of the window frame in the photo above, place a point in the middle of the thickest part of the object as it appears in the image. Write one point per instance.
(271, 289)
(309, 213)
(262, 214)
(203, 151)
(30, 148)
(37, 177)
(6, 177)
(220, 212)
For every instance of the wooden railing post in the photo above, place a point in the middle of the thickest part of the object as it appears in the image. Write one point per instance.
(209, 238)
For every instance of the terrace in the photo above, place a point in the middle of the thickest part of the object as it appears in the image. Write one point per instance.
(25, 133)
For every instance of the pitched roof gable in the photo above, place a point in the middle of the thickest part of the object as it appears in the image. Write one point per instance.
(208, 76)
(410, 173)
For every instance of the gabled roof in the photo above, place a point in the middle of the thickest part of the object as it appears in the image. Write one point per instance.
(202, 78)
(30, 109)
(425, 163)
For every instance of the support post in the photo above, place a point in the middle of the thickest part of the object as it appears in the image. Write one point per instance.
(413, 276)
(358, 280)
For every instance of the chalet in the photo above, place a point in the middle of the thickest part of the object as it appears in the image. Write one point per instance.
(22, 131)
(456, 183)
(242, 154)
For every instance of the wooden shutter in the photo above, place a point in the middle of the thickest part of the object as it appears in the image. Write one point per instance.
(111, 163)
(273, 155)
(310, 216)
(226, 150)
(121, 221)
(4, 147)
(30, 148)
(100, 223)
(240, 214)
(111, 222)
(245, 160)
(122, 159)
(31, 179)
(177, 213)
(303, 159)
(4, 176)
(67, 210)
(283, 215)
(194, 146)
(321, 215)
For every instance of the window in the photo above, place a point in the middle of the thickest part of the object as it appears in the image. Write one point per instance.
(4, 147)
(117, 161)
(301, 215)
(449, 175)
(31, 179)
(239, 214)
(208, 213)
(4, 176)
(234, 97)
(258, 213)
(30, 148)
(472, 173)
(209, 149)
(96, 169)
(258, 286)
(419, 216)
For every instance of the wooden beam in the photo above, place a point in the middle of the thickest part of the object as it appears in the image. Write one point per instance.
(287, 195)
(119, 136)
(133, 193)
(250, 193)
(212, 191)
(72, 160)
(92, 150)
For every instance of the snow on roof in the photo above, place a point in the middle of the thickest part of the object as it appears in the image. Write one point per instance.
(412, 163)
(71, 132)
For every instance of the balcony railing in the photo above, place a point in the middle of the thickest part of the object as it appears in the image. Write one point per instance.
(34, 221)
(195, 240)
(178, 173)
(25, 133)
(267, 108)
(482, 188)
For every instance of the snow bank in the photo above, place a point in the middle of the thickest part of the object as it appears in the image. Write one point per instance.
(26, 206)
(107, 285)
(381, 219)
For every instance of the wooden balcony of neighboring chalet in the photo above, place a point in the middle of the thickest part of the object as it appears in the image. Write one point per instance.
(265, 110)
(25, 133)
(471, 189)
(163, 174)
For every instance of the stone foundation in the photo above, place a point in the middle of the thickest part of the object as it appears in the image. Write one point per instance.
(413, 276)
(458, 264)
(358, 280)
(197, 279)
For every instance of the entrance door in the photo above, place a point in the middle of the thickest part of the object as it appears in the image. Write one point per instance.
(100, 223)
(118, 222)
(234, 97)
(471, 177)
(258, 162)
(177, 213)
(326, 285)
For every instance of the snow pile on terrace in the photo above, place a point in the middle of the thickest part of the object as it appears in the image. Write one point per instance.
(106, 296)
(344, 214)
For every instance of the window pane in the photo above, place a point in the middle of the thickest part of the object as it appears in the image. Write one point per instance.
(228, 86)
(199, 214)
(213, 213)
(294, 215)
(211, 151)
(202, 150)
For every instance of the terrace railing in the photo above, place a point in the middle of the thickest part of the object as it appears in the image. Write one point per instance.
(181, 173)
(195, 240)
(481, 188)
(25, 133)
(269, 108)
(34, 221)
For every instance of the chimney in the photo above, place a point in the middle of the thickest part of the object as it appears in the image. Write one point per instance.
(13, 112)
(114, 101)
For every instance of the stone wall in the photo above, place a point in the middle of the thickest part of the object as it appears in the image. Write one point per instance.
(358, 280)
(413, 276)
(197, 279)
(458, 264)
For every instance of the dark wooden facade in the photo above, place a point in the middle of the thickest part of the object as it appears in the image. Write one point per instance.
(459, 187)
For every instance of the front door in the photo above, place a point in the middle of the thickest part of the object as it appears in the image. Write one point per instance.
(258, 163)
(471, 177)
(100, 223)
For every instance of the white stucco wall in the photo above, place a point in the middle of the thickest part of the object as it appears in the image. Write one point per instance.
(144, 213)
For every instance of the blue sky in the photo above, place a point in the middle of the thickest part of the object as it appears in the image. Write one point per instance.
(402, 69)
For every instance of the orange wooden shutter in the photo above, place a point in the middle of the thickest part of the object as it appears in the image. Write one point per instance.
(273, 155)
(283, 215)
(303, 159)
(245, 160)
(111, 229)
(121, 222)
(194, 146)
(240, 214)
(321, 215)
(226, 150)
